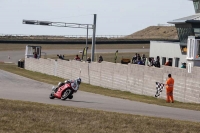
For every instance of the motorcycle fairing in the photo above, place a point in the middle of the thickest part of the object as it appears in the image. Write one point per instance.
(58, 94)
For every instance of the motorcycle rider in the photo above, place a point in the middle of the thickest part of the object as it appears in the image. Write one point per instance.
(69, 81)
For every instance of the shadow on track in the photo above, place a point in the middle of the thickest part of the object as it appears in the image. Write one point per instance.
(81, 101)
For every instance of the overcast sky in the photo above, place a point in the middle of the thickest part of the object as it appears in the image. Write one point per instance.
(114, 17)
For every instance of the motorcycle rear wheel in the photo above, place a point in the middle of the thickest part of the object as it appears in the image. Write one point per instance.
(66, 94)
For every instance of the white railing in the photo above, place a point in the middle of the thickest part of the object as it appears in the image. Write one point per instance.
(166, 25)
(62, 36)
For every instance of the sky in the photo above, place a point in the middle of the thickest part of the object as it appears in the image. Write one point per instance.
(114, 17)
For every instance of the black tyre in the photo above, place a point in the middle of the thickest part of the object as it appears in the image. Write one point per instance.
(66, 94)
(51, 96)
(71, 96)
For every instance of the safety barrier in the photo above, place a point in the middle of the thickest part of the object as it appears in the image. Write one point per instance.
(133, 78)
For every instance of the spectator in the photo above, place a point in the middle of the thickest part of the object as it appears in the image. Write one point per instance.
(88, 59)
(77, 58)
(158, 58)
(60, 56)
(138, 57)
(143, 58)
(149, 63)
(157, 62)
(152, 63)
(35, 55)
(140, 62)
(169, 63)
(183, 65)
(135, 59)
(100, 59)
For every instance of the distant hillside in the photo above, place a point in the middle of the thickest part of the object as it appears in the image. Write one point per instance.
(155, 32)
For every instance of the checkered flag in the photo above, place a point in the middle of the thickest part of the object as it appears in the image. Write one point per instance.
(159, 88)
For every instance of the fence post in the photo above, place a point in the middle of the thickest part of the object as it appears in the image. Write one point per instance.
(55, 67)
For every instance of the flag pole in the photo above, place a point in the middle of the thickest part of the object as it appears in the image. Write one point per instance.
(86, 44)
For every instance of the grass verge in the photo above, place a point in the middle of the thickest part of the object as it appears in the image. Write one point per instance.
(98, 90)
(28, 117)
(6, 47)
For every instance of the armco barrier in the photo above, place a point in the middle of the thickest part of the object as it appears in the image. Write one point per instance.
(133, 78)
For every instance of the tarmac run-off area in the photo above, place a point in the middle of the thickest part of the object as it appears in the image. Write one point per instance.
(16, 87)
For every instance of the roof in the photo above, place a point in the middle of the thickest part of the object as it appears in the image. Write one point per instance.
(190, 19)
(193, 0)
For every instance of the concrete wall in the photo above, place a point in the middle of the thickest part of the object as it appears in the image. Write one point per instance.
(168, 50)
(132, 77)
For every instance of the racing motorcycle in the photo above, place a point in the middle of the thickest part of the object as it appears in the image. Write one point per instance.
(65, 90)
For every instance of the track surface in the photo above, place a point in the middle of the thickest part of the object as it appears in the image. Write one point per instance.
(16, 55)
(16, 87)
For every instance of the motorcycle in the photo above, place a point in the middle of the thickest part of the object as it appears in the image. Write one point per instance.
(65, 90)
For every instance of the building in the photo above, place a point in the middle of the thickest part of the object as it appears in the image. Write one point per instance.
(187, 50)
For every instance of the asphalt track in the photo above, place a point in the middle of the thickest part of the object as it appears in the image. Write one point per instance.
(16, 55)
(16, 87)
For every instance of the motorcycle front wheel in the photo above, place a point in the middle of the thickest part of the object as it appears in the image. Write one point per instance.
(71, 96)
(65, 94)
(51, 96)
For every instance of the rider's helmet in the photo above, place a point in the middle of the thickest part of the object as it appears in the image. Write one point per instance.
(79, 81)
